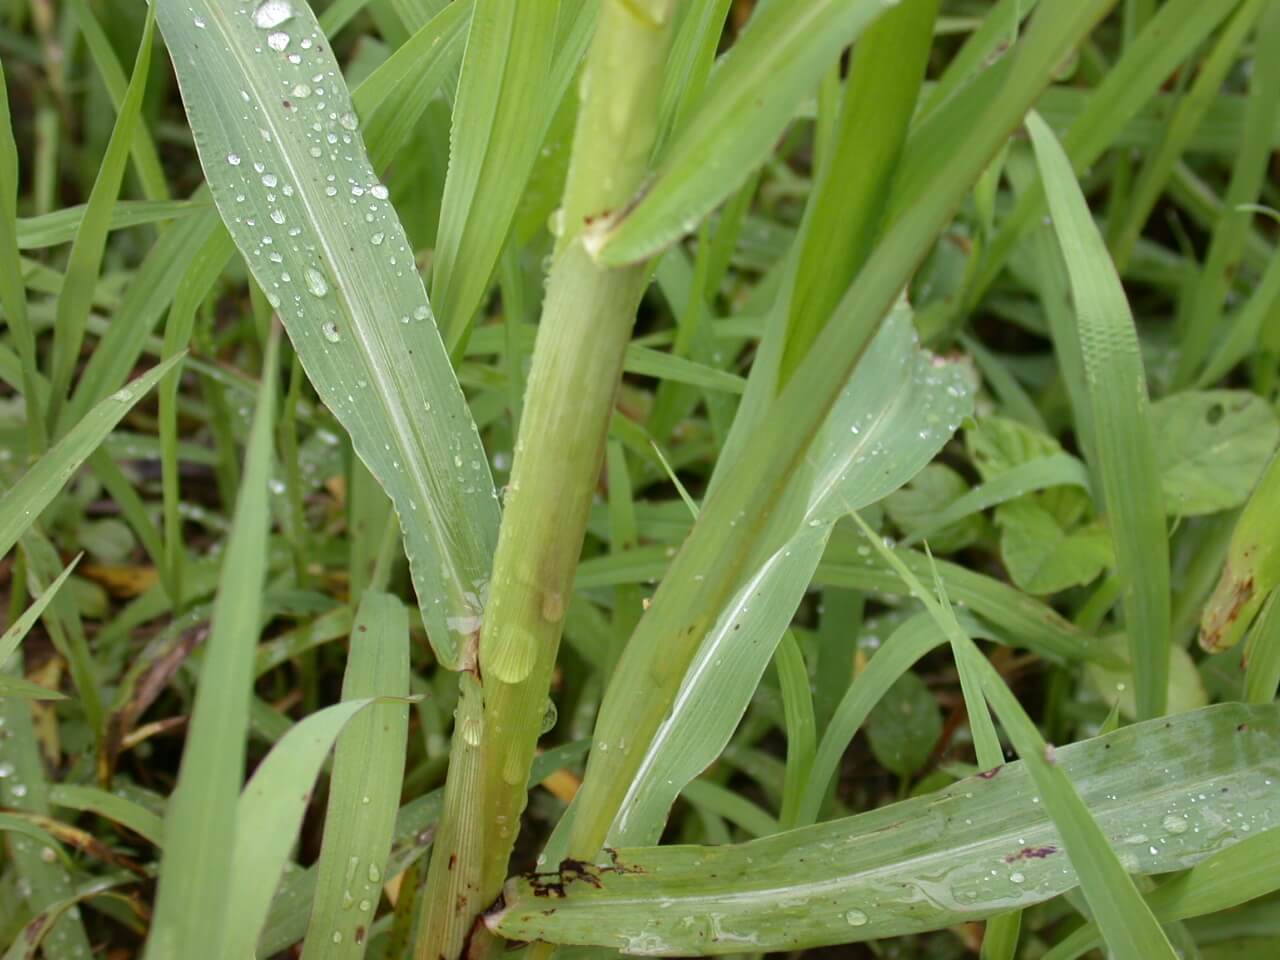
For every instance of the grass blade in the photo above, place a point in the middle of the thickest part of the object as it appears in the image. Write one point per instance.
(146, 161)
(200, 824)
(355, 310)
(364, 790)
(498, 121)
(13, 294)
(23, 503)
(749, 99)
(85, 260)
(1240, 873)
(1117, 390)
(18, 629)
(927, 862)
(1226, 248)
(268, 817)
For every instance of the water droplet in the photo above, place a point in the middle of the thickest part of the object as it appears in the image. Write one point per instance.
(349, 120)
(301, 91)
(277, 216)
(1017, 877)
(6, 770)
(233, 159)
(377, 239)
(278, 41)
(330, 331)
(18, 790)
(1175, 824)
(337, 937)
(549, 717)
(379, 191)
(199, 22)
(422, 312)
(317, 284)
(272, 13)
(374, 873)
(856, 918)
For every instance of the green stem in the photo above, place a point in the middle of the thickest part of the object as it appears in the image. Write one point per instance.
(577, 362)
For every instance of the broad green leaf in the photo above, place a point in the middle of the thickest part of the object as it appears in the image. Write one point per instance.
(1043, 558)
(978, 848)
(22, 504)
(1213, 446)
(268, 817)
(200, 823)
(904, 725)
(998, 446)
(498, 121)
(749, 99)
(282, 152)
(1042, 473)
(1126, 449)
(899, 409)
(918, 507)
(364, 790)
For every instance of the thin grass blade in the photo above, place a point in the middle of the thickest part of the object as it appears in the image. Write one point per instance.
(22, 504)
(268, 817)
(1117, 391)
(364, 789)
(200, 823)
(76, 297)
(498, 121)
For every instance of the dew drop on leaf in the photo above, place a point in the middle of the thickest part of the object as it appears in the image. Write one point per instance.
(1174, 823)
(316, 283)
(271, 13)
(856, 918)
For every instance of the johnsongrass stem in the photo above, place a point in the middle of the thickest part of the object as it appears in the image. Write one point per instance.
(577, 361)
